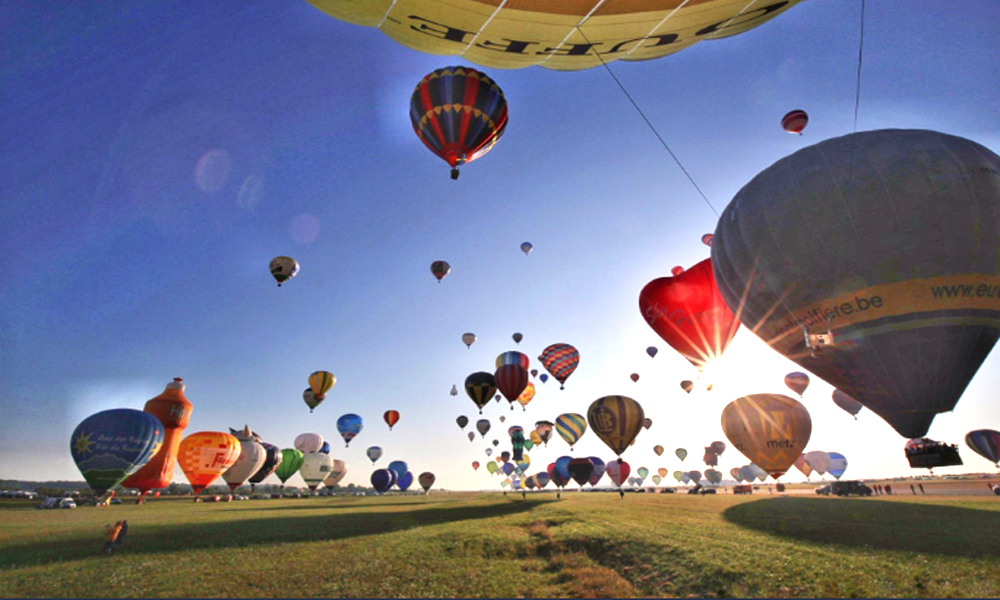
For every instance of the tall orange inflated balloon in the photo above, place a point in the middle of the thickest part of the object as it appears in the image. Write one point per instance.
(205, 455)
(769, 429)
(173, 409)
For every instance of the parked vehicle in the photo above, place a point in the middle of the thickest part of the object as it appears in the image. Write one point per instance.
(58, 503)
(743, 489)
(845, 488)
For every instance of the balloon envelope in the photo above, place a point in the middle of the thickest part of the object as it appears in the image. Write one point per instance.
(462, 421)
(658, 450)
(651, 351)
(838, 464)
(426, 480)
(405, 481)
(315, 468)
(383, 480)
(560, 360)
(440, 269)
(110, 445)
(480, 387)
(580, 470)
(483, 426)
(599, 468)
(173, 410)
(469, 339)
(251, 457)
(272, 460)
(398, 467)
(769, 429)
(852, 406)
(986, 443)
(818, 460)
(681, 453)
(205, 455)
(511, 381)
(618, 472)
(906, 337)
(349, 426)
(374, 453)
(291, 462)
(616, 420)
(307, 443)
(320, 383)
(283, 268)
(391, 417)
(570, 427)
(337, 473)
(797, 381)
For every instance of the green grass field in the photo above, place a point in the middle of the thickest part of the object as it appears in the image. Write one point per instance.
(487, 545)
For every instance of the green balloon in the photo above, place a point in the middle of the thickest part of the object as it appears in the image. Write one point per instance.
(291, 462)
(528, 444)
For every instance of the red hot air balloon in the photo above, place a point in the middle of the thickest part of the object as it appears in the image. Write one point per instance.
(511, 381)
(795, 121)
(459, 114)
(440, 268)
(634, 377)
(688, 312)
(391, 418)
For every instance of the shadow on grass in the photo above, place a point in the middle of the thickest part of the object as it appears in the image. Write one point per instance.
(896, 526)
(240, 533)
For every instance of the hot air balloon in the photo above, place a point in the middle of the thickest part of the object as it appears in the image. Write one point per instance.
(475, 465)
(483, 426)
(309, 397)
(511, 381)
(689, 314)
(714, 477)
(852, 406)
(657, 479)
(769, 429)
(676, 270)
(718, 447)
(651, 351)
(526, 247)
(398, 467)
(472, 436)
(391, 417)
(695, 476)
(489, 452)
(325, 449)
(616, 420)
(707, 239)
(735, 474)
(647, 423)
(503, 419)
(283, 268)
(205, 455)
(580, 470)
(642, 472)
(174, 412)
(349, 426)
(558, 36)
(681, 453)
(710, 458)
(454, 390)
(405, 481)
(462, 421)
(110, 445)
(468, 339)
(321, 382)
(838, 464)
(250, 460)
(513, 357)
(527, 395)
(374, 453)
(440, 269)
(383, 480)
(658, 450)
(315, 468)
(560, 360)
(679, 476)
(570, 427)
(291, 462)
(517, 337)
(544, 377)
(337, 473)
(618, 472)
(634, 377)
(875, 309)
(818, 460)
(795, 121)
(797, 381)
(495, 443)
(803, 466)
(272, 460)
(459, 113)
(480, 387)
(426, 480)
(687, 386)
(986, 443)
(307, 443)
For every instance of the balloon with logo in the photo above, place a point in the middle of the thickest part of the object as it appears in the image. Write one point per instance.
(681, 453)
(291, 462)
(687, 386)
(337, 473)
(315, 468)
(688, 312)
(985, 443)
(383, 480)
(251, 458)
(307, 443)
(110, 445)
(902, 345)
(570, 427)
(838, 464)
(797, 381)
(283, 268)
(391, 417)
(846, 403)
(560, 360)
(205, 455)
(468, 339)
(769, 429)
(616, 420)
(173, 410)
(374, 453)
(480, 387)
(349, 426)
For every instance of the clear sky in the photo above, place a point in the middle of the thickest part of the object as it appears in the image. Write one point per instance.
(155, 156)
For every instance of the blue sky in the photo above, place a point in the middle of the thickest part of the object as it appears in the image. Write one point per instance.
(155, 157)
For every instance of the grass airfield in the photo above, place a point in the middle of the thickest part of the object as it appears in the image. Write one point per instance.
(489, 545)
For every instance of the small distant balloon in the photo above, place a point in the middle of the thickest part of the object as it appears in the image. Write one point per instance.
(647, 423)
(634, 377)
(658, 450)
(454, 390)
(544, 377)
(677, 270)
(687, 385)
(651, 351)
(320, 382)
(681, 453)
(374, 453)
(391, 417)
(526, 248)
(310, 399)
(462, 421)
(440, 269)
(795, 121)
(797, 381)
(468, 339)
(283, 268)
(848, 404)
(707, 239)
(517, 337)
(483, 426)
(472, 436)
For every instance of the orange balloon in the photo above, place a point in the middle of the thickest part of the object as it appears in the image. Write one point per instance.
(174, 411)
(205, 455)
(769, 429)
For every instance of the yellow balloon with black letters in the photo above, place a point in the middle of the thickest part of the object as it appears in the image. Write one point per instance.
(616, 420)
(769, 429)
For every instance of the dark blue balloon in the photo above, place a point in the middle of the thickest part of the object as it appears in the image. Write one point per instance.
(562, 466)
(398, 467)
(383, 480)
(405, 481)
(508, 468)
(111, 445)
(325, 449)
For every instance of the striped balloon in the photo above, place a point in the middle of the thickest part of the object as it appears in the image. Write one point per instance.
(571, 427)
(795, 121)
(616, 420)
(513, 357)
(511, 381)
(391, 417)
(560, 360)
(459, 114)
(321, 382)
(480, 387)
(797, 381)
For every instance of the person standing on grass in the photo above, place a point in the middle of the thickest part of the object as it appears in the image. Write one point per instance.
(913, 489)
(888, 489)
(921, 488)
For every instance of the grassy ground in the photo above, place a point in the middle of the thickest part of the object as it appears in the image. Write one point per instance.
(486, 545)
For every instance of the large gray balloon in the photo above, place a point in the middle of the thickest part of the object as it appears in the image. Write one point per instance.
(893, 234)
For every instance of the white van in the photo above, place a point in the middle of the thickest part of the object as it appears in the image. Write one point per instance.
(58, 503)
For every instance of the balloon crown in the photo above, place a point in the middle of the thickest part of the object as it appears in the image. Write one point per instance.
(176, 384)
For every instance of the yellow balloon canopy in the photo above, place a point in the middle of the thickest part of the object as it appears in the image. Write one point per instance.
(769, 429)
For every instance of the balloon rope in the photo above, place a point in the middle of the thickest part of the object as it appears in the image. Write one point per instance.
(386, 15)
(651, 127)
(861, 49)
